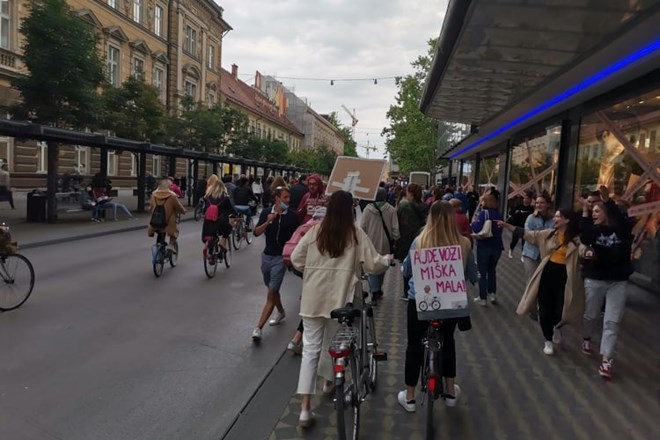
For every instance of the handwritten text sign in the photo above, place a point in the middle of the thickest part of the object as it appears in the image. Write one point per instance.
(646, 208)
(440, 288)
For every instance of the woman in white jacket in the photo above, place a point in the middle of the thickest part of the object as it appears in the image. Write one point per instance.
(329, 256)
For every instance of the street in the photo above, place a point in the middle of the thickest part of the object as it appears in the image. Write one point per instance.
(104, 350)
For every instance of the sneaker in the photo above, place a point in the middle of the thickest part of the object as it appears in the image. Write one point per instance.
(295, 347)
(586, 347)
(404, 298)
(481, 302)
(306, 419)
(510, 253)
(408, 405)
(605, 369)
(256, 334)
(450, 400)
(556, 336)
(492, 298)
(548, 348)
(522, 259)
(328, 387)
(277, 319)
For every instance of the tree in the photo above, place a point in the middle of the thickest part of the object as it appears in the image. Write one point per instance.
(276, 151)
(134, 111)
(412, 137)
(350, 146)
(65, 69)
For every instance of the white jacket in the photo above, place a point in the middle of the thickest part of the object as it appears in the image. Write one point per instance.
(329, 283)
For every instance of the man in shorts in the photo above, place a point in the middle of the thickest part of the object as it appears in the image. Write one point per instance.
(278, 223)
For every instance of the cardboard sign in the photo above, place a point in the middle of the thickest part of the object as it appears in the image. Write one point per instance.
(643, 209)
(356, 175)
(440, 287)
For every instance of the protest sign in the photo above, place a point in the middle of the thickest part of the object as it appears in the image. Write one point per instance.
(356, 175)
(440, 288)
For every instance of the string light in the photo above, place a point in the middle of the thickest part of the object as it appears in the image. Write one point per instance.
(331, 80)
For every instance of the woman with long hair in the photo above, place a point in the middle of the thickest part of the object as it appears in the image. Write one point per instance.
(556, 285)
(440, 230)
(216, 194)
(490, 249)
(330, 256)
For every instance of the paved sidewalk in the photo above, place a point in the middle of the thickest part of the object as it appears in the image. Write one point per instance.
(510, 389)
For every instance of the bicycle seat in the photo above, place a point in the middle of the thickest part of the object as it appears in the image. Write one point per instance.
(345, 314)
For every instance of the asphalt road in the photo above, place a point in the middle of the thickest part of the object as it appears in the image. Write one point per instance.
(104, 350)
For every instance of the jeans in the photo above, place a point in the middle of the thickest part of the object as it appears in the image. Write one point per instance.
(376, 282)
(315, 358)
(486, 263)
(114, 206)
(244, 210)
(614, 294)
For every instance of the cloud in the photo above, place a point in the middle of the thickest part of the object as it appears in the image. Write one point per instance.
(333, 39)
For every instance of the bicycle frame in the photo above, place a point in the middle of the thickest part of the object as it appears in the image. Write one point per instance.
(432, 379)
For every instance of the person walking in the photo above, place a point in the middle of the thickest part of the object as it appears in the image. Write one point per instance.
(556, 285)
(517, 217)
(489, 250)
(440, 230)
(606, 249)
(472, 202)
(312, 198)
(257, 188)
(411, 214)
(462, 222)
(381, 224)
(298, 191)
(278, 223)
(330, 256)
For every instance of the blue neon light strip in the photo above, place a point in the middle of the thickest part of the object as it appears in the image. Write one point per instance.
(586, 83)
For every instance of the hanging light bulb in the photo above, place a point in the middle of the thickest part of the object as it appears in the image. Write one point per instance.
(332, 82)
(375, 81)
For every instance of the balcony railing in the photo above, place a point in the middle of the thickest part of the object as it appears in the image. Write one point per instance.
(11, 61)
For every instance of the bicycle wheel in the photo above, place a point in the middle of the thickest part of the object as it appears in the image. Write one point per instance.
(211, 260)
(158, 267)
(347, 403)
(198, 214)
(372, 347)
(237, 236)
(431, 384)
(17, 276)
(249, 231)
(227, 256)
(173, 256)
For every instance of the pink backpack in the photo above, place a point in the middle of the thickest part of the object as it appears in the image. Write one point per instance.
(295, 239)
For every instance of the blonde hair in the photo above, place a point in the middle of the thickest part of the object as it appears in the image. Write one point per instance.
(440, 228)
(211, 180)
(216, 190)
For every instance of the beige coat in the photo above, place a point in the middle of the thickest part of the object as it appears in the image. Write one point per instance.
(372, 224)
(329, 283)
(172, 208)
(574, 292)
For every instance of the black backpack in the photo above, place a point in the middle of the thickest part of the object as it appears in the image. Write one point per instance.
(159, 217)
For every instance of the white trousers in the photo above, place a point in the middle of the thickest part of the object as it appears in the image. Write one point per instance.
(317, 336)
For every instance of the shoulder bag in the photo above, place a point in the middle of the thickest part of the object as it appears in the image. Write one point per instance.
(387, 233)
(486, 229)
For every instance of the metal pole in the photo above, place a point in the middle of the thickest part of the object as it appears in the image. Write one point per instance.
(51, 182)
(141, 184)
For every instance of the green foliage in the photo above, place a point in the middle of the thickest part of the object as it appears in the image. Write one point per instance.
(412, 137)
(65, 68)
(134, 111)
(350, 146)
(320, 160)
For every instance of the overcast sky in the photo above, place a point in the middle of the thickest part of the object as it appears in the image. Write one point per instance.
(333, 39)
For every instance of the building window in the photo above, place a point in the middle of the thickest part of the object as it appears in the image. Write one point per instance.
(5, 152)
(134, 164)
(112, 3)
(113, 163)
(5, 24)
(42, 157)
(155, 165)
(158, 21)
(190, 89)
(112, 65)
(138, 68)
(211, 60)
(159, 81)
(211, 99)
(137, 11)
(82, 160)
(191, 41)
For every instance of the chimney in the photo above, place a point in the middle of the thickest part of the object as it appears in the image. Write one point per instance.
(234, 70)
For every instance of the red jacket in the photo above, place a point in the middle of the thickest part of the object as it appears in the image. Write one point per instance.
(463, 225)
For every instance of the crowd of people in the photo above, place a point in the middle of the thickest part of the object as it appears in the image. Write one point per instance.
(574, 264)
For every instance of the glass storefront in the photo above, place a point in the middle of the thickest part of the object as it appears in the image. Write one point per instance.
(619, 149)
(489, 173)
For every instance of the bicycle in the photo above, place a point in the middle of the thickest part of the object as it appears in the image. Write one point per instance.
(355, 356)
(17, 276)
(160, 253)
(213, 255)
(199, 210)
(432, 382)
(243, 230)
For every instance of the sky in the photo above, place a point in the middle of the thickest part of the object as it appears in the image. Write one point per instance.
(333, 39)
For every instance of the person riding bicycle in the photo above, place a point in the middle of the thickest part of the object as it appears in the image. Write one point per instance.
(163, 196)
(243, 196)
(216, 195)
(330, 256)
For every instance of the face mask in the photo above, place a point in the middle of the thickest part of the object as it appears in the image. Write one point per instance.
(284, 206)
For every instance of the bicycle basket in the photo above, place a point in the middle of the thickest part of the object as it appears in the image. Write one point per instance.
(7, 246)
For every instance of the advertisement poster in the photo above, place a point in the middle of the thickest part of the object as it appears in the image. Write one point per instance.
(440, 287)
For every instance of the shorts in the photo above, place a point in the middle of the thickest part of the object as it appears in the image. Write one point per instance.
(273, 270)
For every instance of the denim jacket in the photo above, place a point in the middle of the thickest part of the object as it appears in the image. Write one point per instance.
(471, 273)
(536, 223)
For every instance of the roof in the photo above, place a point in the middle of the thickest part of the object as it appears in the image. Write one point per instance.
(253, 100)
(497, 60)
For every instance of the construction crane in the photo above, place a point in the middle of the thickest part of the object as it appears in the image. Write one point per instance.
(354, 119)
(367, 148)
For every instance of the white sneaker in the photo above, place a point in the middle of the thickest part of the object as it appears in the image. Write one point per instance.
(492, 299)
(510, 253)
(408, 405)
(277, 319)
(556, 336)
(522, 260)
(295, 347)
(306, 419)
(481, 302)
(548, 348)
(256, 334)
(451, 401)
(328, 388)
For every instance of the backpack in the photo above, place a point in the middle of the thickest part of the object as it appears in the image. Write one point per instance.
(212, 213)
(158, 217)
(295, 238)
